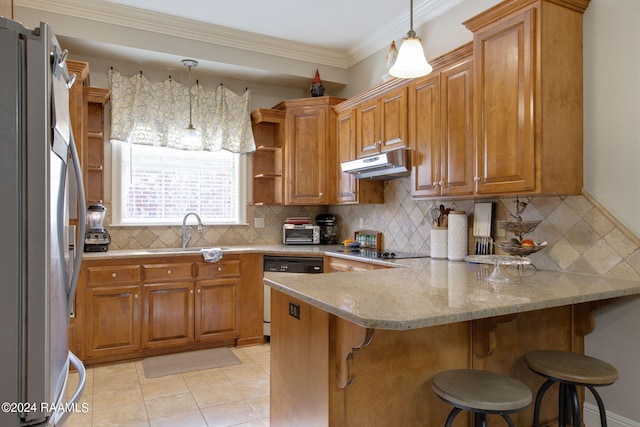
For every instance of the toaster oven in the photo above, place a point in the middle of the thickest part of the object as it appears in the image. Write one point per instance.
(300, 234)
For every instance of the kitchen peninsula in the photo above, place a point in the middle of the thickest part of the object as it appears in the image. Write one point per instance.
(361, 348)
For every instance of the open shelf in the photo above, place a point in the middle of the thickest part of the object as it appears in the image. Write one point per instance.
(268, 133)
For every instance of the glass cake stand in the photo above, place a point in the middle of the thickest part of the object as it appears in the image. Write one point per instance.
(497, 260)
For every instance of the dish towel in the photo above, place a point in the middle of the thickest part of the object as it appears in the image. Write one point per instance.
(212, 254)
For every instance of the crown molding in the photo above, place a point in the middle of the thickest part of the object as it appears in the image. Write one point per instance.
(159, 23)
(153, 22)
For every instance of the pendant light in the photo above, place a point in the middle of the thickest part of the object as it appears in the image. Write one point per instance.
(191, 136)
(411, 61)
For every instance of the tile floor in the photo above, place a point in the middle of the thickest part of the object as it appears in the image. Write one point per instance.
(120, 395)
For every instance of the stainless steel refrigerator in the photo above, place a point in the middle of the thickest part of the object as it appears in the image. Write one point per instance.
(37, 279)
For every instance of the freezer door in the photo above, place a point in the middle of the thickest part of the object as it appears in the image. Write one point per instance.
(11, 230)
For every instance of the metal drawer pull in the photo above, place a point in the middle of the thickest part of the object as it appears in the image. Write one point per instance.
(114, 275)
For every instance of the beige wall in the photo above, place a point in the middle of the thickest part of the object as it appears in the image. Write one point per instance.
(612, 173)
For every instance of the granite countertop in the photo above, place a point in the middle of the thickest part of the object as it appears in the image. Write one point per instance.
(434, 292)
(277, 249)
(427, 292)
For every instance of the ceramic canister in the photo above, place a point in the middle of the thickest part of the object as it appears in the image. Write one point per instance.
(458, 239)
(439, 242)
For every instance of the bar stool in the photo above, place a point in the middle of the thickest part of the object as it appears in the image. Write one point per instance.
(481, 393)
(570, 370)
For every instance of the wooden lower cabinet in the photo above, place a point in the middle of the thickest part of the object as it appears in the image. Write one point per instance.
(130, 308)
(112, 320)
(216, 313)
(167, 314)
(328, 371)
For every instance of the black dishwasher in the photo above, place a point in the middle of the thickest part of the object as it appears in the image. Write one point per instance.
(286, 264)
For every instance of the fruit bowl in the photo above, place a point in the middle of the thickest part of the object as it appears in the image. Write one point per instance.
(518, 250)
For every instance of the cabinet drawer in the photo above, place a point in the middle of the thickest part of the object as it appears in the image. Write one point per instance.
(218, 269)
(166, 272)
(114, 274)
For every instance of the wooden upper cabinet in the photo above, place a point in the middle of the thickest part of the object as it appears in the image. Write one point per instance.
(307, 142)
(346, 182)
(295, 158)
(457, 153)
(441, 127)
(6, 8)
(424, 132)
(506, 143)
(382, 123)
(348, 188)
(87, 110)
(94, 101)
(309, 150)
(528, 97)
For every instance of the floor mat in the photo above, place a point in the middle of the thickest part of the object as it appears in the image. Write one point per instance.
(179, 363)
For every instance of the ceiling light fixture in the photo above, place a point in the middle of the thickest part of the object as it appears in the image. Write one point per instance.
(191, 133)
(411, 61)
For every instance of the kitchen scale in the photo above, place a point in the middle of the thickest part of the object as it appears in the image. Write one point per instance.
(96, 238)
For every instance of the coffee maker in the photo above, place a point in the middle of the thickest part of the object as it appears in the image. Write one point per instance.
(328, 229)
(96, 238)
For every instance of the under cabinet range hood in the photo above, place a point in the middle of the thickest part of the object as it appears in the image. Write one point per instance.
(388, 165)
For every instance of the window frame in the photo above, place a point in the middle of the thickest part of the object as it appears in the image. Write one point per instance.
(117, 152)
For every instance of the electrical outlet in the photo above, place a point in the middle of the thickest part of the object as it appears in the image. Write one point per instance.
(294, 310)
(258, 223)
(361, 223)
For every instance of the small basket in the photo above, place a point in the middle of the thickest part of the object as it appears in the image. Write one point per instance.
(519, 250)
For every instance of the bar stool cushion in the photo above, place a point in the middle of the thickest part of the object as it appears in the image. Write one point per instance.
(481, 390)
(571, 367)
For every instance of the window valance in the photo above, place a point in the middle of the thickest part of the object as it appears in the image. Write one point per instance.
(144, 112)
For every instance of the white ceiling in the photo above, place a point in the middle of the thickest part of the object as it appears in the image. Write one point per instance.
(340, 25)
(282, 35)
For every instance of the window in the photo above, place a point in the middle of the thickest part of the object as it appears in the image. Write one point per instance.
(159, 185)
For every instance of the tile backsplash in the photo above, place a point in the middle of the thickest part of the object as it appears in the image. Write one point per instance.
(581, 235)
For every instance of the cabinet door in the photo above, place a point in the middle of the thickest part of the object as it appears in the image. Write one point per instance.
(393, 117)
(306, 152)
(167, 314)
(505, 72)
(216, 311)
(346, 191)
(369, 137)
(425, 136)
(457, 143)
(112, 320)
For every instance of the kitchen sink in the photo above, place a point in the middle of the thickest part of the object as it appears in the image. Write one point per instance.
(176, 250)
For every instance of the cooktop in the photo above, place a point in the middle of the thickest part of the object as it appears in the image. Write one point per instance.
(373, 254)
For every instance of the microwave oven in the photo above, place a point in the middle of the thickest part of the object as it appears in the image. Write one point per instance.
(300, 234)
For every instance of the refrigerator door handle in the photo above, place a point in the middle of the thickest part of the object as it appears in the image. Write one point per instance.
(58, 417)
(82, 223)
(61, 59)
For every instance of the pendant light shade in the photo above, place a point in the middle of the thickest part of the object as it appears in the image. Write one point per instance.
(190, 134)
(411, 61)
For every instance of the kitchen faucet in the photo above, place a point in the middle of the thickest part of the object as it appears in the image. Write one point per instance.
(186, 231)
